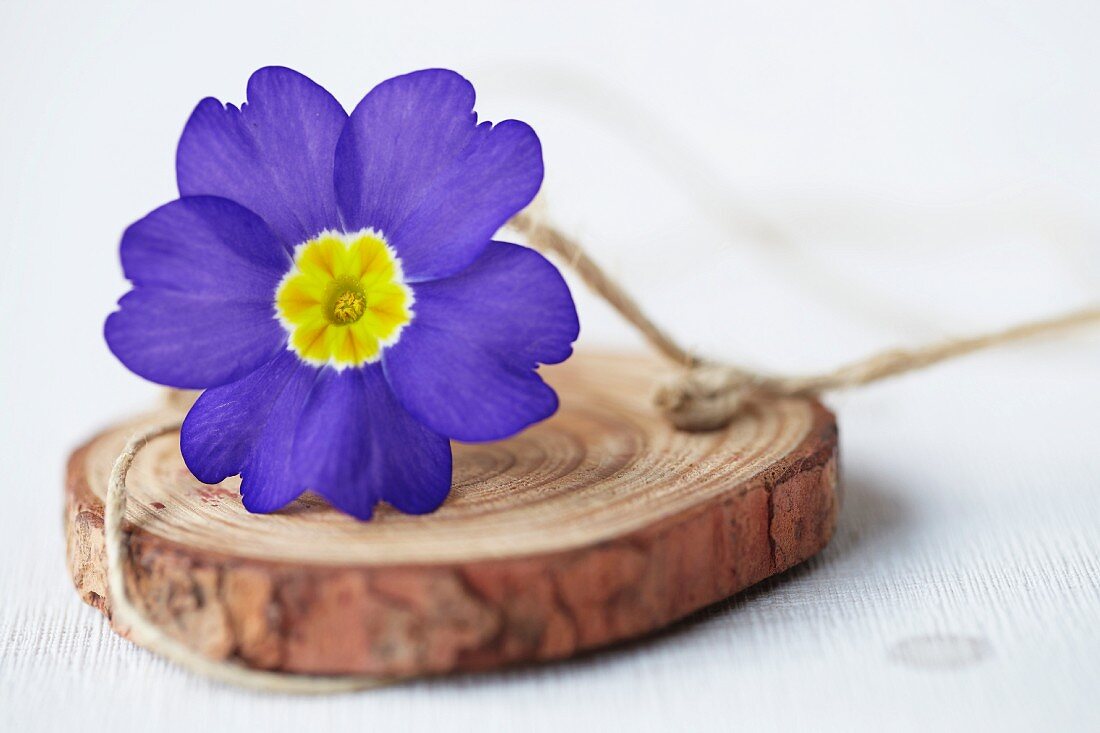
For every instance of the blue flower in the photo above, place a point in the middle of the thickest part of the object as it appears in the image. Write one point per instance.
(332, 282)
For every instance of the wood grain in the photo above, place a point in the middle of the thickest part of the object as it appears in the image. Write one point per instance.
(599, 525)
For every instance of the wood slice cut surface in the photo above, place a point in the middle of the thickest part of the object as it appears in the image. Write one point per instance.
(600, 524)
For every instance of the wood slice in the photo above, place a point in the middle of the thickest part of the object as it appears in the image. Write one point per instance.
(601, 524)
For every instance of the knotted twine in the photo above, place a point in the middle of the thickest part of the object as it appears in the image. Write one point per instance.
(703, 395)
(707, 395)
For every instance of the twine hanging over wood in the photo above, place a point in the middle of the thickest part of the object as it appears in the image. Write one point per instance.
(704, 395)
(128, 617)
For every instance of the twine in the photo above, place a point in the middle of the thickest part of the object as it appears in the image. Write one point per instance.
(131, 621)
(707, 395)
(704, 395)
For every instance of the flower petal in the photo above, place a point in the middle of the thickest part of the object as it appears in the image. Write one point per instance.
(272, 479)
(207, 245)
(355, 445)
(222, 428)
(413, 164)
(201, 312)
(274, 155)
(465, 366)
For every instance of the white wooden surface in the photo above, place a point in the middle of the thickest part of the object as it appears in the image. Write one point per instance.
(930, 167)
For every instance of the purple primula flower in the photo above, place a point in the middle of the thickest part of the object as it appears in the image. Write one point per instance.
(331, 281)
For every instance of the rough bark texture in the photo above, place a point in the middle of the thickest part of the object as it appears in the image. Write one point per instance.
(435, 617)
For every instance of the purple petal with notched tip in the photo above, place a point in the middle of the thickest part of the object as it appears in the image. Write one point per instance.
(274, 155)
(204, 271)
(413, 164)
(465, 366)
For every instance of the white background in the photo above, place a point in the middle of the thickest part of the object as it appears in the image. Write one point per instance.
(787, 184)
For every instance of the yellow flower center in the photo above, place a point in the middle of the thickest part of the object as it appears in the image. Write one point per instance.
(344, 299)
(348, 305)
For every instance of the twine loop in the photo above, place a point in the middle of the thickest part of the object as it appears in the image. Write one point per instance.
(135, 624)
